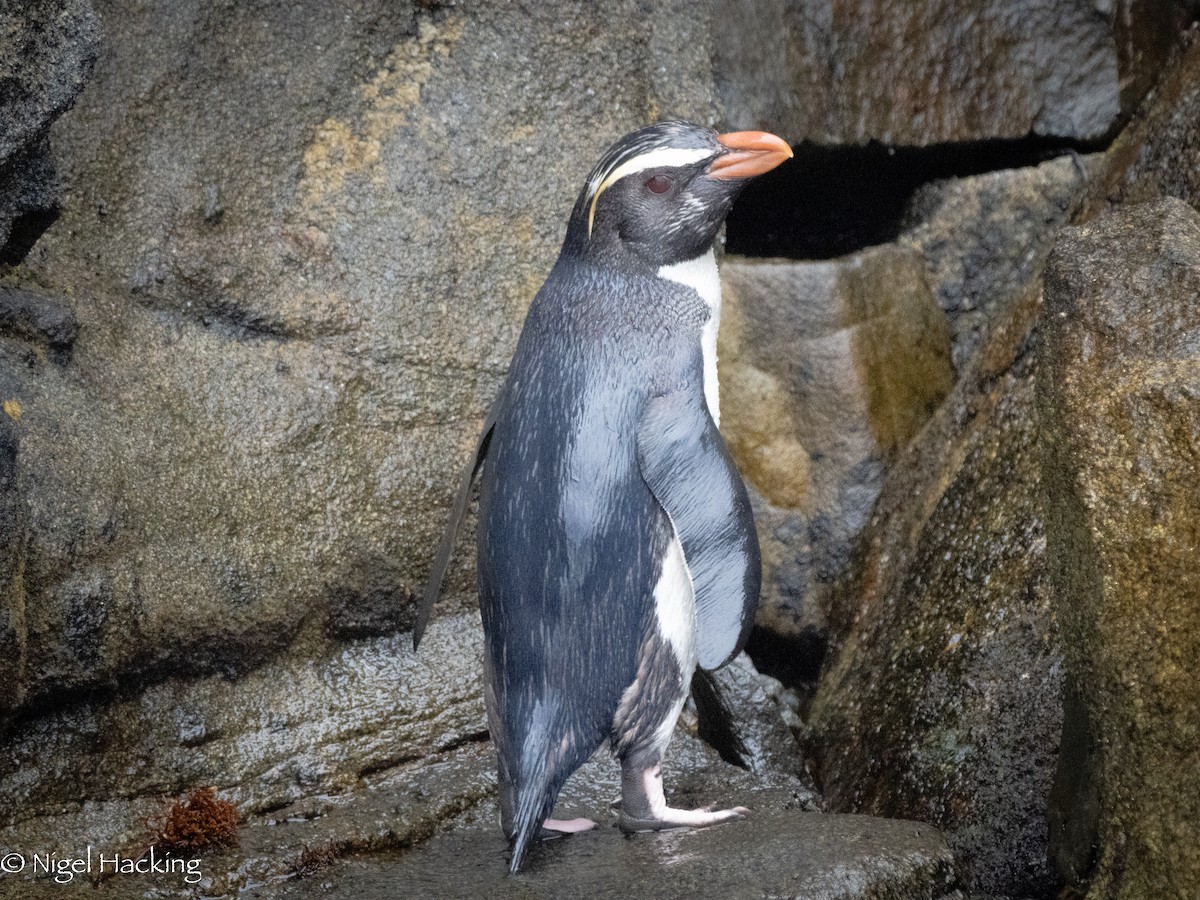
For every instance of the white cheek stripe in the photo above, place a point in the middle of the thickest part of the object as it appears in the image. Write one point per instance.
(663, 156)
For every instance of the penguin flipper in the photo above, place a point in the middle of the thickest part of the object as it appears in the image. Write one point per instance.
(441, 561)
(684, 461)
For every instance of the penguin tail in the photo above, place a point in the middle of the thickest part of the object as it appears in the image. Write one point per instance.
(532, 809)
(542, 771)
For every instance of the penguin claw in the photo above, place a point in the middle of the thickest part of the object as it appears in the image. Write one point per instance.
(681, 818)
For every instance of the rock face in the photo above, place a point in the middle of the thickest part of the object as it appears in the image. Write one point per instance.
(941, 697)
(985, 239)
(240, 372)
(943, 702)
(296, 289)
(827, 369)
(1155, 156)
(1120, 405)
(47, 50)
(920, 73)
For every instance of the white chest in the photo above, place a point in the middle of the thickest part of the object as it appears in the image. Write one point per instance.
(701, 275)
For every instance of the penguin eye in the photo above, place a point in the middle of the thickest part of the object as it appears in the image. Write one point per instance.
(659, 184)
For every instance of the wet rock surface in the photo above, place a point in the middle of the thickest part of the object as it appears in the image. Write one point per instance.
(1120, 406)
(1154, 156)
(985, 239)
(319, 792)
(829, 369)
(776, 852)
(305, 725)
(296, 290)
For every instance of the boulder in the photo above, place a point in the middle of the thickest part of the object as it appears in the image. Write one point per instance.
(941, 699)
(1154, 156)
(919, 73)
(985, 239)
(827, 370)
(1119, 400)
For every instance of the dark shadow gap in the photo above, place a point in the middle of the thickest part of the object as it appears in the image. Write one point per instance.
(795, 661)
(26, 229)
(830, 201)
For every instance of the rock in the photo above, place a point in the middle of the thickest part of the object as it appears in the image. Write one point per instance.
(14, 527)
(756, 737)
(919, 74)
(985, 239)
(1119, 399)
(47, 50)
(28, 200)
(307, 724)
(1154, 156)
(1148, 35)
(241, 371)
(317, 753)
(827, 370)
(298, 247)
(391, 810)
(37, 319)
(941, 700)
(978, 243)
(776, 852)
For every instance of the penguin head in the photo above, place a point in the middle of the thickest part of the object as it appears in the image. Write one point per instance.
(661, 193)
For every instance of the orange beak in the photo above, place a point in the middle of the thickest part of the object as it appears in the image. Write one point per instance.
(750, 153)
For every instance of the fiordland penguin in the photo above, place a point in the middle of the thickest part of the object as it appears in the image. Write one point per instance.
(616, 546)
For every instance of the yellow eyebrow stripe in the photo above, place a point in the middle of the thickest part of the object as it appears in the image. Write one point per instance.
(663, 156)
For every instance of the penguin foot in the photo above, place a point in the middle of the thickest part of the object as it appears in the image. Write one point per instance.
(644, 806)
(568, 826)
(669, 817)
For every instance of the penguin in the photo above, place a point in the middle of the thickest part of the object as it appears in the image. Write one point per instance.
(616, 545)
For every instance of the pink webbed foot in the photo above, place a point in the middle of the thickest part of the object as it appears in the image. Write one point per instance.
(568, 826)
(644, 806)
(669, 817)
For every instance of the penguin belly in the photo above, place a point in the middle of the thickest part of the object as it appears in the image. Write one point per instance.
(650, 705)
